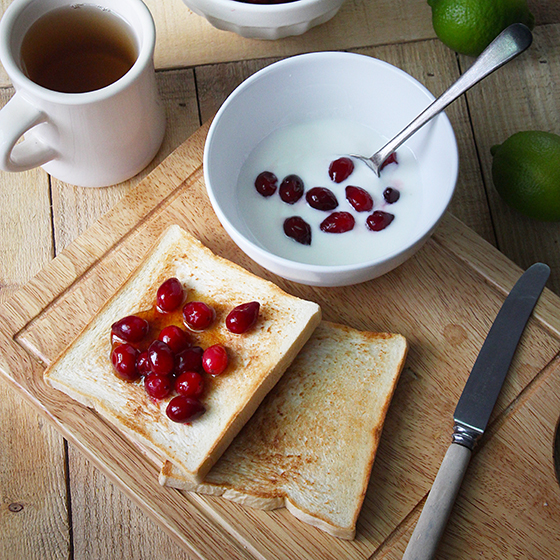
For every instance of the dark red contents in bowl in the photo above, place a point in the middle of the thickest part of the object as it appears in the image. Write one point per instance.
(266, 1)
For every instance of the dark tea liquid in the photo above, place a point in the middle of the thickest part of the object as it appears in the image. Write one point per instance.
(75, 49)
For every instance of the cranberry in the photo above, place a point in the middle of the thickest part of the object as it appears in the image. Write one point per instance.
(190, 384)
(265, 2)
(182, 409)
(161, 358)
(131, 328)
(189, 360)
(391, 195)
(359, 198)
(243, 317)
(298, 229)
(215, 359)
(340, 169)
(169, 295)
(379, 220)
(143, 364)
(177, 339)
(291, 189)
(391, 159)
(266, 183)
(123, 358)
(158, 386)
(321, 198)
(338, 222)
(198, 316)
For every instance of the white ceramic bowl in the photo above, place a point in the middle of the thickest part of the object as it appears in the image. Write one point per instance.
(316, 86)
(265, 21)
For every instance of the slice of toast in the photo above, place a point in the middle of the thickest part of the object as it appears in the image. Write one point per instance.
(258, 358)
(311, 444)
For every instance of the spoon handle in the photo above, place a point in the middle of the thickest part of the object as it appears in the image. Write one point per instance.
(507, 45)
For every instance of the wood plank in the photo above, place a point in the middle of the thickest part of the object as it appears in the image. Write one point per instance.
(518, 97)
(107, 524)
(75, 209)
(186, 39)
(216, 81)
(545, 11)
(33, 514)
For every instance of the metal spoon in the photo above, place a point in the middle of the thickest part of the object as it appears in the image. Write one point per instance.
(507, 45)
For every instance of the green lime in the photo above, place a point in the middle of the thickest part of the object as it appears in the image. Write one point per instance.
(469, 26)
(526, 173)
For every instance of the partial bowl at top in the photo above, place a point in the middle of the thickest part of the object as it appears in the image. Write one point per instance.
(295, 117)
(265, 21)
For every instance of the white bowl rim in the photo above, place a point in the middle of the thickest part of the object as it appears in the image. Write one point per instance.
(284, 7)
(302, 266)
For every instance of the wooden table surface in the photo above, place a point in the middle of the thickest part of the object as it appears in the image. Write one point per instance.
(54, 504)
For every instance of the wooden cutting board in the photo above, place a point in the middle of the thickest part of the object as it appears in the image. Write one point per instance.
(443, 300)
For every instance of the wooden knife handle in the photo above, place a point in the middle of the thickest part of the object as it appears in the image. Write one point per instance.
(433, 519)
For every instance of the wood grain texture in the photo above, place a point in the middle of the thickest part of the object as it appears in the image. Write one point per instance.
(509, 103)
(445, 333)
(33, 511)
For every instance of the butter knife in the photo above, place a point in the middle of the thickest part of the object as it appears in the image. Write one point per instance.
(474, 409)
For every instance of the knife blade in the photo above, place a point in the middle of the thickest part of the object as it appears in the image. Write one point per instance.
(474, 408)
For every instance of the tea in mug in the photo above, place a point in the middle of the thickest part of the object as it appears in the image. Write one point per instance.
(76, 49)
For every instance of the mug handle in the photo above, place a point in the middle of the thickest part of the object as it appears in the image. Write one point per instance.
(16, 118)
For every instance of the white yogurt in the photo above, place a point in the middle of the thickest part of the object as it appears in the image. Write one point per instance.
(307, 150)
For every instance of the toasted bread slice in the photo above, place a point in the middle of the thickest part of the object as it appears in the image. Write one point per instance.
(258, 358)
(311, 444)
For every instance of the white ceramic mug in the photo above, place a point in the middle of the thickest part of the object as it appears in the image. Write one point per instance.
(91, 139)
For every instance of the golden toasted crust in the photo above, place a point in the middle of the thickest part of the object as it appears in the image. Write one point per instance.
(258, 358)
(311, 444)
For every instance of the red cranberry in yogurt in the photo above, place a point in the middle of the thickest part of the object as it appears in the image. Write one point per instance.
(338, 222)
(340, 169)
(379, 220)
(391, 195)
(391, 159)
(359, 198)
(321, 198)
(266, 1)
(298, 229)
(291, 189)
(266, 183)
